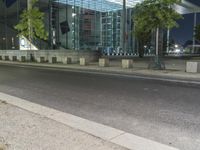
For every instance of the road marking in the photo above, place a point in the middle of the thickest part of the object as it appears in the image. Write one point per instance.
(100, 71)
(107, 133)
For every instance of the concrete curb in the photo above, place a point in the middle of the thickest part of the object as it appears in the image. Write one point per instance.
(107, 133)
(151, 76)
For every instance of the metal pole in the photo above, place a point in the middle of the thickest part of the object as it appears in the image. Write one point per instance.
(124, 26)
(168, 35)
(194, 32)
(157, 41)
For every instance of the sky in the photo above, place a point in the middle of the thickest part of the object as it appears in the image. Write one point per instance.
(185, 30)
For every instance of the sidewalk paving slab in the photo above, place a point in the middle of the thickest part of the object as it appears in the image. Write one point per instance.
(23, 130)
(101, 131)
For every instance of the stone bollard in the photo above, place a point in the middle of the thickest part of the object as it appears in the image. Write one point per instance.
(53, 60)
(42, 60)
(23, 58)
(83, 62)
(127, 63)
(193, 66)
(104, 62)
(14, 58)
(6, 58)
(67, 60)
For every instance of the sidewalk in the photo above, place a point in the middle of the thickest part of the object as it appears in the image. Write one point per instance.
(175, 69)
(29, 126)
(23, 130)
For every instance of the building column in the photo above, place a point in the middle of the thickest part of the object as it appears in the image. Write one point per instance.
(124, 27)
(194, 32)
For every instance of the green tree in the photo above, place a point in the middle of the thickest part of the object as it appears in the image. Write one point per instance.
(152, 16)
(144, 38)
(31, 24)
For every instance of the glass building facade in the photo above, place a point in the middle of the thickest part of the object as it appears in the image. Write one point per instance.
(73, 24)
(77, 25)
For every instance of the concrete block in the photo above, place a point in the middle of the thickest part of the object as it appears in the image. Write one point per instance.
(83, 61)
(6, 58)
(67, 60)
(41, 60)
(127, 63)
(193, 66)
(14, 58)
(23, 58)
(104, 62)
(53, 60)
(74, 55)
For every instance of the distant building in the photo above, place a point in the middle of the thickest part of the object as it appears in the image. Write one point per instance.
(80, 25)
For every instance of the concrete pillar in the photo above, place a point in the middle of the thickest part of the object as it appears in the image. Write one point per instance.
(14, 58)
(193, 66)
(67, 60)
(23, 58)
(53, 60)
(103, 62)
(127, 63)
(41, 59)
(83, 61)
(6, 58)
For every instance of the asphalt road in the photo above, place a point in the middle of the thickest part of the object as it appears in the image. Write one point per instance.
(166, 112)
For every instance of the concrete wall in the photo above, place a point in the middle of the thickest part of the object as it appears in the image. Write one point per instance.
(48, 54)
